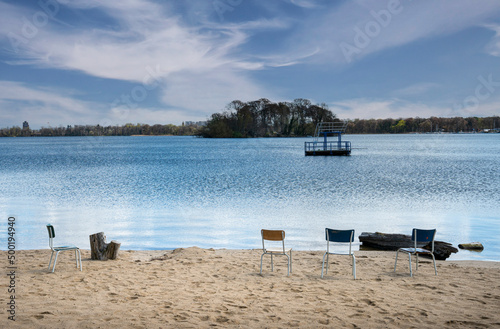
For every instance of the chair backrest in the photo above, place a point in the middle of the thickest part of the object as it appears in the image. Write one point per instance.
(339, 236)
(52, 234)
(273, 235)
(419, 235)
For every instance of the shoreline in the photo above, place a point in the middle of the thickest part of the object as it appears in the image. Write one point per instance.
(301, 136)
(451, 259)
(203, 288)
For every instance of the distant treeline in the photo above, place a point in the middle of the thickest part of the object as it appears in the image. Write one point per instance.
(263, 118)
(97, 130)
(422, 125)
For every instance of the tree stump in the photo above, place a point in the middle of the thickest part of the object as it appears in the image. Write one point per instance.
(100, 250)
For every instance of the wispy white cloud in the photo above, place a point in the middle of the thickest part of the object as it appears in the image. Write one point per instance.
(288, 59)
(199, 91)
(124, 115)
(19, 102)
(202, 63)
(125, 55)
(363, 108)
(475, 108)
(416, 89)
(355, 29)
(305, 3)
(46, 107)
(146, 34)
(493, 48)
(379, 109)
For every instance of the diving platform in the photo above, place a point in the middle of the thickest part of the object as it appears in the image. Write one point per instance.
(323, 144)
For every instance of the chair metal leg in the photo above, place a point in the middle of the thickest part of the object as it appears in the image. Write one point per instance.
(78, 259)
(409, 257)
(50, 261)
(290, 260)
(288, 265)
(55, 261)
(323, 266)
(324, 269)
(434, 261)
(78, 256)
(354, 266)
(327, 262)
(396, 262)
(416, 255)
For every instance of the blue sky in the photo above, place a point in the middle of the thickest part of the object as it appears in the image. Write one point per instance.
(67, 62)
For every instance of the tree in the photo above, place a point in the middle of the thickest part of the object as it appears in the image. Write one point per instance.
(400, 127)
(426, 126)
(263, 118)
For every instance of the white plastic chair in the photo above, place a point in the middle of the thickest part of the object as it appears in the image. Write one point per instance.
(275, 235)
(342, 236)
(419, 235)
(52, 235)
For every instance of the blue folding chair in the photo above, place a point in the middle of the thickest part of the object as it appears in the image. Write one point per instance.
(341, 236)
(52, 235)
(417, 236)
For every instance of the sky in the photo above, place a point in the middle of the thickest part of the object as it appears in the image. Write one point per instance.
(73, 62)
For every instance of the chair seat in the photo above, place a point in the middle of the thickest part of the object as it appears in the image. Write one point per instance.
(277, 250)
(419, 235)
(58, 249)
(338, 253)
(338, 237)
(65, 248)
(276, 237)
(416, 250)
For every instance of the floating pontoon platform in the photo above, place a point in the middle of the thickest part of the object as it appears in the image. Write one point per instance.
(325, 146)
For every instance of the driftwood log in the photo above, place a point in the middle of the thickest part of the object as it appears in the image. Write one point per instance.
(387, 241)
(478, 246)
(100, 250)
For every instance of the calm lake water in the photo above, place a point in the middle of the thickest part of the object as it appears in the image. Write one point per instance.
(170, 192)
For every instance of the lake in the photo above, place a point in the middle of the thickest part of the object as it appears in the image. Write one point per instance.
(164, 192)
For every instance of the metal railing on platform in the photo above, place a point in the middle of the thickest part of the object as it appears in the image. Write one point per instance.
(327, 146)
(330, 127)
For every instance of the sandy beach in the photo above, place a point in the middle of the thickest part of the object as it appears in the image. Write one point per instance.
(202, 288)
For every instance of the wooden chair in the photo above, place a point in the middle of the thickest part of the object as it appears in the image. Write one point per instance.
(52, 235)
(275, 235)
(419, 235)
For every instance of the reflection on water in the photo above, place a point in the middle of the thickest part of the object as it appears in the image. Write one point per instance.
(169, 192)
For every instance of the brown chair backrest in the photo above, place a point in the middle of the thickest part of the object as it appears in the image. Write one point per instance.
(273, 235)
